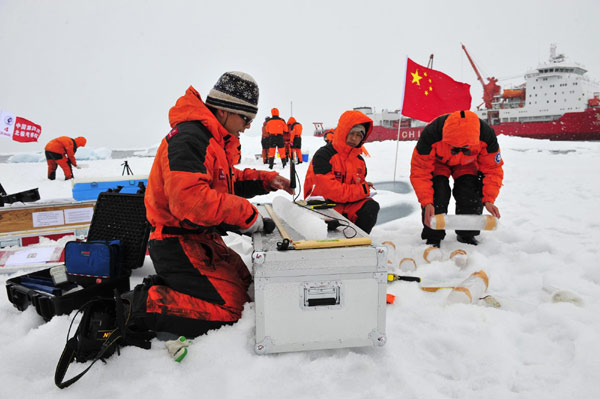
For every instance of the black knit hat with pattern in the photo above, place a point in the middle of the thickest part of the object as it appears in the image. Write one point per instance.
(236, 92)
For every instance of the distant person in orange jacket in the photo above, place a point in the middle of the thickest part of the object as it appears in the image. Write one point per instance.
(462, 146)
(61, 152)
(275, 128)
(328, 136)
(195, 195)
(264, 142)
(295, 129)
(338, 172)
(287, 143)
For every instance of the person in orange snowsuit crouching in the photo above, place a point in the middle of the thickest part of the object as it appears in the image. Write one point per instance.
(465, 147)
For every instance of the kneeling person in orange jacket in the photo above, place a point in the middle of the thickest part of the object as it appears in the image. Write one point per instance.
(195, 194)
(337, 172)
(61, 152)
(464, 147)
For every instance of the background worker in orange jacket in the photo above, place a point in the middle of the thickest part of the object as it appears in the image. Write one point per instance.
(338, 172)
(195, 195)
(265, 142)
(295, 129)
(328, 136)
(464, 147)
(61, 152)
(275, 128)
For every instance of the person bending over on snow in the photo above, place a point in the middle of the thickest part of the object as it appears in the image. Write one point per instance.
(464, 147)
(195, 195)
(337, 172)
(61, 152)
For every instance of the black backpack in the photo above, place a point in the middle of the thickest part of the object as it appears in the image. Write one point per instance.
(104, 327)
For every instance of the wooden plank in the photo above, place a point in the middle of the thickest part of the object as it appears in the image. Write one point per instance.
(21, 219)
(278, 223)
(332, 243)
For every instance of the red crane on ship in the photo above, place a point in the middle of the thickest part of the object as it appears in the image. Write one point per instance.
(490, 89)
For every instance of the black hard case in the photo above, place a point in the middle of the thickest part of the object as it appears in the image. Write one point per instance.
(116, 217)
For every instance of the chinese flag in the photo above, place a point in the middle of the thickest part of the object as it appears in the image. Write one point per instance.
(429, 93)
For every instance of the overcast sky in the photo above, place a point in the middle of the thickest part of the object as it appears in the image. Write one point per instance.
(110, 70)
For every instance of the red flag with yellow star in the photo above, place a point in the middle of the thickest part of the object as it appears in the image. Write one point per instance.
(429, 93)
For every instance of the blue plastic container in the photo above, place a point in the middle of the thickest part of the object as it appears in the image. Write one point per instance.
(88, 189)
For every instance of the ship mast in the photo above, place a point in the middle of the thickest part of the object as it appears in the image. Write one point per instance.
(490, 89)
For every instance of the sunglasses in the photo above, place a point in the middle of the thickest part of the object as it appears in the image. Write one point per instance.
(465, 150)
(247, 120)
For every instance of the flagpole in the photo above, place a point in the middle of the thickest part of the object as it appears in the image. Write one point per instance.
(397, 144)
(400, 119)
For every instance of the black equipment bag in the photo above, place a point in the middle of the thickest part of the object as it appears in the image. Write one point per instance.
(105, 326)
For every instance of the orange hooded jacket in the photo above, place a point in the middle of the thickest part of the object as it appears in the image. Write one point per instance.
(432, 155)
(338, 171)
(66, 146)
(295, 128)
(193, 183)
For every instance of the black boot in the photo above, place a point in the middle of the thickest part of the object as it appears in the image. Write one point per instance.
(433, 242)
(284, 162)
(467, 239)
(271, 161)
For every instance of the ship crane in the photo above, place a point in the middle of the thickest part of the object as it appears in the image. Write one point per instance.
(490, 89)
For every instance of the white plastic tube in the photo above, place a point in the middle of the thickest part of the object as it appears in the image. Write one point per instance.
(470, 290)
(463, 222)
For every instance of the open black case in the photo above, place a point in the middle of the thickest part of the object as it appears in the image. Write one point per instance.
(116, 217)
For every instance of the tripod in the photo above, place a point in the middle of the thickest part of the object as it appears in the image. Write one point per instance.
(126, 168)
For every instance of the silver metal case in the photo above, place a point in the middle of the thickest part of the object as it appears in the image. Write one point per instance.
(318, 298)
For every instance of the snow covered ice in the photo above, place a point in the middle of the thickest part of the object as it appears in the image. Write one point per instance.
(530, 347)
